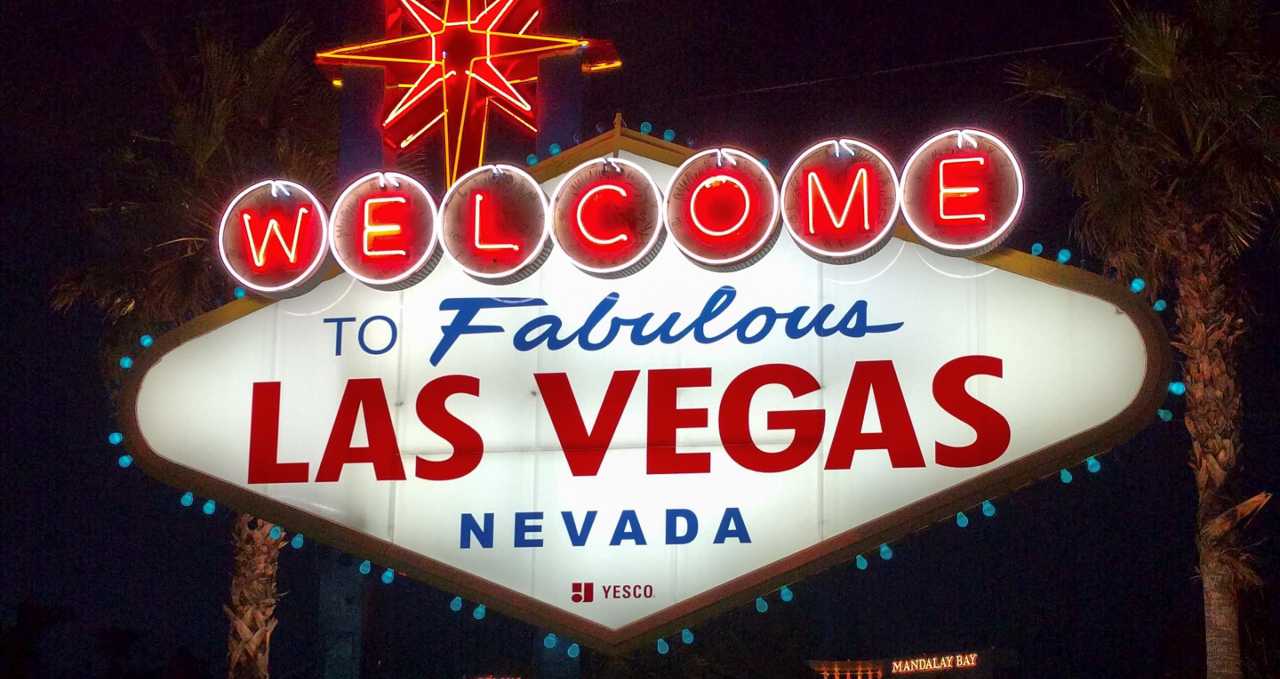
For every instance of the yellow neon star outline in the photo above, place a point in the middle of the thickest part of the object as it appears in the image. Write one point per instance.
(481, 69)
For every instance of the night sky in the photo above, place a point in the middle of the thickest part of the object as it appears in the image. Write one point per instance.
(1095, 578)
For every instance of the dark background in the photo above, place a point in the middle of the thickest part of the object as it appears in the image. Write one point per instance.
(1095, 578)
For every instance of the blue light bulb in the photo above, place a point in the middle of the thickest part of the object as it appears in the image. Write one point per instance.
(146, 341)
(573, 651)
(669, 134)
(1160, 305)
(962, 520)
(188, 498)
(646, 127)
(861, 562)
(686, 636)
(786, 594)
(1037, 249)
(479, 612)
(455, 604)
(124, 461)
(115, 438)
(275, 532)
(550, 641)
(1065, 476)
(886, 552)
(531, 159)
(366, 567)
(1137, 285)
(1165, 415)
(1093, 465)
(663, 647)
(239, 292)
(1177, 388)
(209, 507)
(988, 508)
(297, 541)
(388, 576)
(761, 605)
(1064, 256)
(554, 149)
(126, 362)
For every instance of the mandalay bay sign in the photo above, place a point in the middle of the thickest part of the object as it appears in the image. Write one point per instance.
(638, 384)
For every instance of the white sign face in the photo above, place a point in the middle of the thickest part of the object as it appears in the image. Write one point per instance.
(656, 444)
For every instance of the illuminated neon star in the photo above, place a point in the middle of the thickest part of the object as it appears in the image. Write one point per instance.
(453, 65)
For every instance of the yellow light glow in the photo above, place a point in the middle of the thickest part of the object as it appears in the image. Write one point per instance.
(352, 53)
(487, 71)
(373, 231)
(602, 66)
(505, 93)
(259, 251)
(409, 139)
(416, 92)
(414, 7)
(936, 663)
(514, 115)
(529, 23)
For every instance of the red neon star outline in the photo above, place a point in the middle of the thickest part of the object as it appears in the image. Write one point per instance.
(491, 49)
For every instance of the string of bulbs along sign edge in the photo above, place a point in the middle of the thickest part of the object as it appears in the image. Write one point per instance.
(698, 432)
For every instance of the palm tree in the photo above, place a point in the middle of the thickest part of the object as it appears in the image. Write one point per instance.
(234, 115)
(1175, 153)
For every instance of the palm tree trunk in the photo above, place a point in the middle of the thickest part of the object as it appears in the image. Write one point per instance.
(252, 611)
(1209, 328)
(1221, 619)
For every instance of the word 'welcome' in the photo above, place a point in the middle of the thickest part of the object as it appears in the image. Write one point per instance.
(960, 193)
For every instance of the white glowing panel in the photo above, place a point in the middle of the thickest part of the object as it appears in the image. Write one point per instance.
(1069, 362)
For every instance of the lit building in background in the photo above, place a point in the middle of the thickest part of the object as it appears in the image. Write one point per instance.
(982, 664)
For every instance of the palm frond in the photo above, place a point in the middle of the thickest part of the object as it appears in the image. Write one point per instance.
(1188, 137)
(1153, 40)
(235, 112)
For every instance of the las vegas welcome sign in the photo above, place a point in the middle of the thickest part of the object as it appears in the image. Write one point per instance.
(638, 384)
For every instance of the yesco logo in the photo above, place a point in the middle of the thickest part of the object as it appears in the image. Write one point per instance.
(585, 592)
(582, 592)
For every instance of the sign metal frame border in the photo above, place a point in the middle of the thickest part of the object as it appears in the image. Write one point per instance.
(740, 591)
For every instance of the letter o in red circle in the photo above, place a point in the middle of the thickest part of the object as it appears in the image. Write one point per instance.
(722, 208)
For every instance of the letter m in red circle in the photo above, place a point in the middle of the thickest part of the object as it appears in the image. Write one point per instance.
(582, 592)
